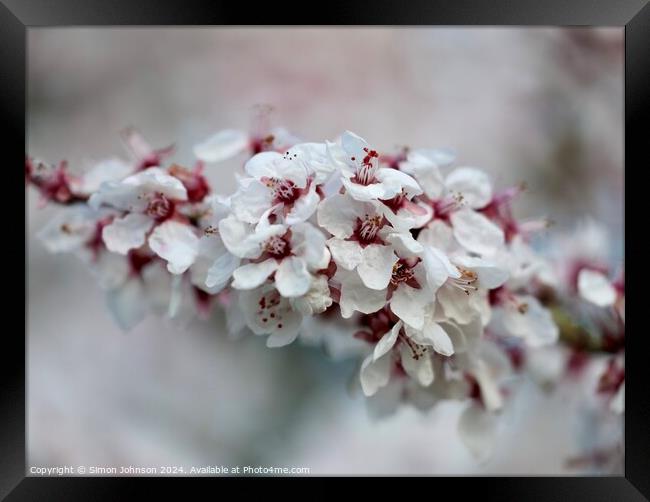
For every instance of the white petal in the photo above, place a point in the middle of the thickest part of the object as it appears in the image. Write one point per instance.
(127, 304)
(346, 254)
(251, 200)
(404, 244)
(490, 275)
(438, 267)
(408, 303)
(438, 235)
(222, 145)
(176, 243)
(375, 374)
(220, 273)
(308, 242)
(476, 233)
(426, 172)
(304, 207)
(118, 195)
(387, 341)
(253, 275)
(456, 304)
(70, 229)
(112, 169)
(214, 265)
(533, 322)
(473, 184)
(338, 215)
(127, 233)
(353, 145)
(156, 180)
(266, 312)
(476, 428)
(394, 181)
(357, 297)
(367, 193)
(596, 288)
(420, 369)
(438, 338)
(376, 267)
(292, 278)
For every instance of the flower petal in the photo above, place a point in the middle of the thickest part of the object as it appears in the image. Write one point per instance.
(292, 277)
(355, 296)
(476, 428)
(408, 303)
(304, 207)
(346, 254)
(338, 215)
(253, 275)
(176, 243)
(375, 374)
(127, 304)
(376, 267)
(476, 233)
(596, 288)
(473, 184)
(127, 233)
(387, 341)
(222, 145)
(420, 369)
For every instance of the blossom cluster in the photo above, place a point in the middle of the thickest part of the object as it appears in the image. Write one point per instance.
(407, 261)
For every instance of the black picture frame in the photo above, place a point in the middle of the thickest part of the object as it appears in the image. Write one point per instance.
(16, 16)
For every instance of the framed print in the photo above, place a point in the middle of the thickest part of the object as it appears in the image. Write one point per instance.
(373, 241)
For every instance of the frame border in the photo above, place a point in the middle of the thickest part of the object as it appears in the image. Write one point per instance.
(18, 15)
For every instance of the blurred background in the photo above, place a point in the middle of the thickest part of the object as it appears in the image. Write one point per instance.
(541, 105)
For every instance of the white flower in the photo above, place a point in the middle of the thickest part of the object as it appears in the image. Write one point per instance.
(284, 181)
(361, 174)
(72, 228)
(149, 198)
(292, 257)
(363, 240)
(229, 143)
(458, 197)
(112, 169)
(266, 312)
(222, 145)
(317, 299)
(596, 288)
(523, 316)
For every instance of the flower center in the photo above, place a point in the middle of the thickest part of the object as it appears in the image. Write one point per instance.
(368, 228)
(402, 272)
(366, 170)
(160, 207)
(442, 208)
(417, 351)
(466, 280)
(284, 191)
(278, 247)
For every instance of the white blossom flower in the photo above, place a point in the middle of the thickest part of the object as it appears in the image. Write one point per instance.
(363, 240)
(149, 198)
(596, 288)
(292, 256)
(267, 312)
(362, 176)
(457, 198)
(286, 181)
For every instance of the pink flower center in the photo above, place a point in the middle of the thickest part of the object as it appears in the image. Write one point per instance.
(160, 207)
(278, 247)
(365, 174)
(368, 228)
